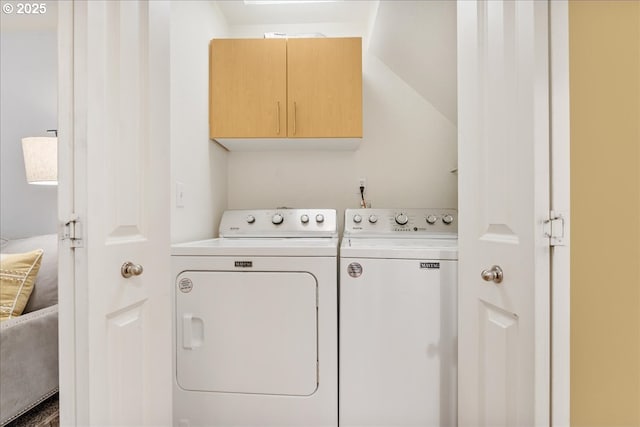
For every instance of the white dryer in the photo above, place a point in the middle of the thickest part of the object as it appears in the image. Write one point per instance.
(398, 318)
(255, 328)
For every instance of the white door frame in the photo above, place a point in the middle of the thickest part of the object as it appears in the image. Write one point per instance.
(560, 203)
(67, 301)
(560, 357)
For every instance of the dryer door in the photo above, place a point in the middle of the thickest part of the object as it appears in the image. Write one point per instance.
(247, 332)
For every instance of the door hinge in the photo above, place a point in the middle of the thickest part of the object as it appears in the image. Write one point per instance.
(72, 231)
(556, 228)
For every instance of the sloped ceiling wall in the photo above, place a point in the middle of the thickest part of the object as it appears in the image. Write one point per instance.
(417, 41)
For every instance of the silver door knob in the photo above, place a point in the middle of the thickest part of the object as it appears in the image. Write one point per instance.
(129, 269)
(494, 274)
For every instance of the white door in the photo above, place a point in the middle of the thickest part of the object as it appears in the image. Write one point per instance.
(503, 103)
(114, 129)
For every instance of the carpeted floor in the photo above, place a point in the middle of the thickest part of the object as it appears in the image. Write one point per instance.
(45, 414)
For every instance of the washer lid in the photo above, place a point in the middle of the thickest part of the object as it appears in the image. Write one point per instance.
(327, 246)
(443, 249)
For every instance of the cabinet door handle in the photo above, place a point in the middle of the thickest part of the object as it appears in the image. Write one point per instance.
(295, 116)
(278, 107)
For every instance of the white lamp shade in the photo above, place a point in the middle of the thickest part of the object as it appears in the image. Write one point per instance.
(41, 160)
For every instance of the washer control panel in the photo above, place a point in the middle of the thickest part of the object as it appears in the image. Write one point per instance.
(279, 223)
(406, 222)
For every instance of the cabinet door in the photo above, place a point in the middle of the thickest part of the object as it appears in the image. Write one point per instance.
(247, 88)
(325, 87)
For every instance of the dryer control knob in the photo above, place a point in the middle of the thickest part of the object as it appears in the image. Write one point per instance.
(277, 219)
(431, 219)
(373, 219)
(447, 219)
(357, 219)
(304, 219)
(402, 219)
(251, 219)
(319, 218)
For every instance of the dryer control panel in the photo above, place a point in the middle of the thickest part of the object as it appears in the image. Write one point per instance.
(282, 222)
(436, 222)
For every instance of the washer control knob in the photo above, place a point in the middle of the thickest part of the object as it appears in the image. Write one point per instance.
(447, 219)
(357, 219)
(373, 219)
(304, 218)
(431, 219)
(277, 219)
(251, 219)
(319, 218)
(402, 219)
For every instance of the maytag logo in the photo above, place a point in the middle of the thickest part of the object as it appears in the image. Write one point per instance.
(354, 269)
(430, 265)
(185, 285)
(244, 264)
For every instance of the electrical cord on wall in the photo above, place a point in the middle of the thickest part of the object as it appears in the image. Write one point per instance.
(363, 203)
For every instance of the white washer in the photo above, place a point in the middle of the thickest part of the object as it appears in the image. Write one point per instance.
(255, 328)
(398, 318)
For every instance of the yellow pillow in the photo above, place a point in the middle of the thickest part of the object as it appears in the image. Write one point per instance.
(17, 276)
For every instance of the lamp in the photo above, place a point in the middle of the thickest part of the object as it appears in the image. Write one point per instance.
(41, 160)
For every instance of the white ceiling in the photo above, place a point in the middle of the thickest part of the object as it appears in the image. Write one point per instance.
(238, 13)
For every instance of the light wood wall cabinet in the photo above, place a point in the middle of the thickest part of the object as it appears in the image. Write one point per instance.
(325, 87)
(286, 88)
(248, 88)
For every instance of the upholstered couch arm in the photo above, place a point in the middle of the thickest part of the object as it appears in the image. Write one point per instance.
(28, 361)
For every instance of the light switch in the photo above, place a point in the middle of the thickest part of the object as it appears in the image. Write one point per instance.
(179, 194)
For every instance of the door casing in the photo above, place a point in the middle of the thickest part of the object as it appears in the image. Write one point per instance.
(69, 263)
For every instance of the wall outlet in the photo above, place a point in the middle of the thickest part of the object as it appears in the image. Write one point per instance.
(362, 182)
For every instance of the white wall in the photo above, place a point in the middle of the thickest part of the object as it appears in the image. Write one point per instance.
(408, 149)
(417, 40)
(29, 107)
(198, 163)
